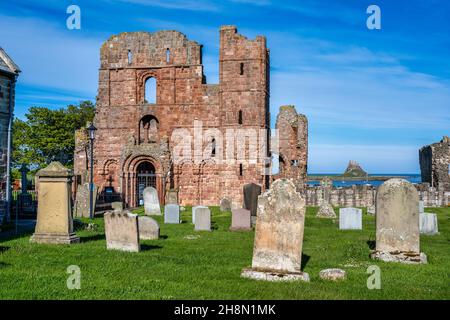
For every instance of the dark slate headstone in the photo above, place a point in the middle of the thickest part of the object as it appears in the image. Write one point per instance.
(251, 193)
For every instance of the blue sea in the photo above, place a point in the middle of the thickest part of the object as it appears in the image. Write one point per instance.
(413, 178)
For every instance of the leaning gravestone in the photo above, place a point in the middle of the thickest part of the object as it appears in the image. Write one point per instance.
(397, 220)
(122, 231)
(251, 193)
(172, 214)
(428, 223)
(82, 200)
(240, 220)
(277, 250)
(194, 210)
(54, 217)
(148, 228)
(151, 201)
(203, 219)
(225, 205)
(350, 219)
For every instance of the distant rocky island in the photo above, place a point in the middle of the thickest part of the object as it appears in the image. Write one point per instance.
(354, 170)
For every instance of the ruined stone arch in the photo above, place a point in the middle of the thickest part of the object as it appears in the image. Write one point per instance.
(148, 129)
(142, 78)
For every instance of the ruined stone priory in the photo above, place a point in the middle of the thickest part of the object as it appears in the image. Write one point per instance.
(435, 164)
(151, 84)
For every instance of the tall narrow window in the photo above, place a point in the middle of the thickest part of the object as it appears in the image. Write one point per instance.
(167, 55)
(213, 147)
(240, 117)
(241, 169)
(241, 69)
(150, 90)
(130, 56)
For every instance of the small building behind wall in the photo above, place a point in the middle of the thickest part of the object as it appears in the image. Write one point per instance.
(435, 163)
(9, 72)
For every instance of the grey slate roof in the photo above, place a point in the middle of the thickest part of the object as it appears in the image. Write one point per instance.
(7, 64)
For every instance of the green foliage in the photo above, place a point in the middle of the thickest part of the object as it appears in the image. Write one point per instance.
(185, 264)
(48, 135)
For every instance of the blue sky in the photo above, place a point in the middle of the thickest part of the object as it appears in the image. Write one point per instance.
(375, 96)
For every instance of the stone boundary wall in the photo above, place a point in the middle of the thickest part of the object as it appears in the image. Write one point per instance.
(365, 195)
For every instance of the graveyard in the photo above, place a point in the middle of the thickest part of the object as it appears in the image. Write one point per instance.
(188, 264)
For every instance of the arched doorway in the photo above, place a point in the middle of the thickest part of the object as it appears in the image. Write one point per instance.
(145, 177)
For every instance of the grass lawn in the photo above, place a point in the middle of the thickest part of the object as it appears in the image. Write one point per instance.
(208, 266)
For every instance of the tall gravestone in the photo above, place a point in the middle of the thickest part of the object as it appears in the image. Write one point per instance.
(203, 219)
(277, 250)
(172, 214)
(251, 193)
(148, 228)
(397, 221)
(82, 202)
(54, 218)
(151, 201)
(122, 231)
(326, 209)
(194, 210)
(350, 219)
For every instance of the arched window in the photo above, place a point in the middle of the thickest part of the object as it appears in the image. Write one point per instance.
(130, 56)
(167, 55)
(150, 90)
(240, 117)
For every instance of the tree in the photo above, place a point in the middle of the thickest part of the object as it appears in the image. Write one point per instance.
(48, 135)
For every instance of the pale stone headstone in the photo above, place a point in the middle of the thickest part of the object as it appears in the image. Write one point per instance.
(122, 231)
(277, 250)
(371, 210)
(326, 209)
(117, 206)
(172, 197)
(421, 207)
(397, 222)
(240, 220)
(172, 213)
(203, 219)
(54, 218)
(82, 200)
(194, 209)
(151, 201)
(225, 205)
(333, 274)
(251, 193)
(428, 223)
(148, 228)
(350, 219)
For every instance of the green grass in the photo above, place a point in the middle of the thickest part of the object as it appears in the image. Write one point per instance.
(209, 267)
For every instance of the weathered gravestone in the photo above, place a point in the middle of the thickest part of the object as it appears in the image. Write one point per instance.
(277, 250)
(428, 223)
(54, 217)
(194, 210)
(202, 219)
(251, 193)
(122, 231)
(421, 207)
(151, 201)
(82, 200)
(172, 213)
(326, 209)
(371, 210)
(397, 220)
(172, 197)
(117, 206)
(148, 228)
(350, 219)
(225, 205)
(240, 220)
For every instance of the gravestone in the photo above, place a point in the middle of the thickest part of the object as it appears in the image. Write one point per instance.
(326, 209)
(148, 228)
(117, 206)
(350, 219)
(122, 231)
(202, 219)
(54, 217)
(428, 223)
(277, 250)
(240, 220)
(397, 223)
(371, 210)
(225, 205)
(421, 207)
(151, 201)
(82, 200)
(194, 209)
(251, 193)
(172, 214)
(172, 197)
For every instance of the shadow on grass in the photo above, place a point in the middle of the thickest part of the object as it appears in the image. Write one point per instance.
(163, 237)
(92, 238)
(4, 265)
(12, 235)
(3, 249)
(146, 247)
(305, 259)
(371, 244)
